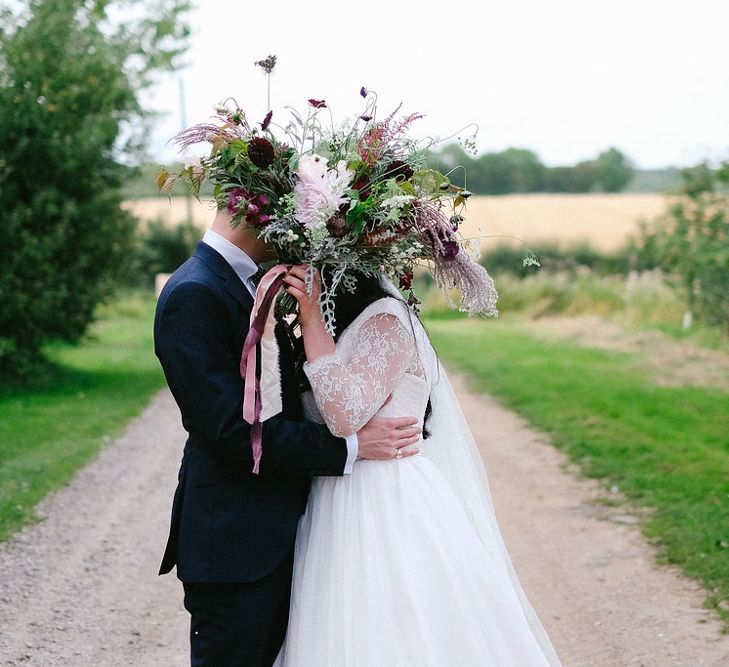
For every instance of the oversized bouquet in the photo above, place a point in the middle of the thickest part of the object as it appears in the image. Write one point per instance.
(357, 198)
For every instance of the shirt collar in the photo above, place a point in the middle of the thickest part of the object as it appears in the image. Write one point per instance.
(243, 265)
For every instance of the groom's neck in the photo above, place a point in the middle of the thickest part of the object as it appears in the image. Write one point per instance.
(243, 236)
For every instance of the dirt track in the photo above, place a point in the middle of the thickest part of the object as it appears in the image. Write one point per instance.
(81, 588)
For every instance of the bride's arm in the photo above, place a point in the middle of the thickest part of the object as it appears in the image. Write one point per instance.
(349, 391)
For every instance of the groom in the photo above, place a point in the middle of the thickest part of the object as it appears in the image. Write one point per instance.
(232, 533)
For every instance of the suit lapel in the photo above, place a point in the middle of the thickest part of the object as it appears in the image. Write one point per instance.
(233, 284)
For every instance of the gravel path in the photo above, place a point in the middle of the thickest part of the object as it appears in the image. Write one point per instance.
(80, 588)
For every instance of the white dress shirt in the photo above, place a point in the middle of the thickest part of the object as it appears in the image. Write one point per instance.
(245, 268)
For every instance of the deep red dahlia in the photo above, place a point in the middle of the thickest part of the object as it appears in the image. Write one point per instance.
(260, 152)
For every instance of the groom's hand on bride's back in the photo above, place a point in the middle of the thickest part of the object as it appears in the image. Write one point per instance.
(382, 437)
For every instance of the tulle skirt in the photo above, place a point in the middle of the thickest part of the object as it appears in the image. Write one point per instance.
(390, 571)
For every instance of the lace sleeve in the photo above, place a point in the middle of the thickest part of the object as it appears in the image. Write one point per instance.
(350, 390)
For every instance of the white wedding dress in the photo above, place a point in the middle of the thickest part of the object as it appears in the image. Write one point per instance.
(401, 563)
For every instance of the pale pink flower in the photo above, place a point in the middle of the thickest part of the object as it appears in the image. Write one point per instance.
(321, 190)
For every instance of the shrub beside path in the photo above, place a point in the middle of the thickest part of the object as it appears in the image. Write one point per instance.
(80, 588)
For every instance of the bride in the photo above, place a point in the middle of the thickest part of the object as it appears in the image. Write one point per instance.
(401, 563)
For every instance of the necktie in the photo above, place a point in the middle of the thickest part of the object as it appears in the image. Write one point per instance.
(256, 277)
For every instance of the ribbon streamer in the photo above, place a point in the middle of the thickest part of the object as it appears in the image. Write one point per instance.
(261, 326)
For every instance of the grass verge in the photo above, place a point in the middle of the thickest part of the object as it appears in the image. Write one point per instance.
(666, 448)
(91, 391)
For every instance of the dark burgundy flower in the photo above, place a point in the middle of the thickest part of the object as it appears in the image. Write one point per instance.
(366, 118)
(363, 91)
(260, 152)
(234, 198)
(317, 104)
(266, 121)
(253, 206)
(399, 170)
(254, 214)
(406, 281)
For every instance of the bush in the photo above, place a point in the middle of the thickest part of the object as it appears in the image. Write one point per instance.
(69, 91)
(554, 258)
(690, 242)
(161, 248)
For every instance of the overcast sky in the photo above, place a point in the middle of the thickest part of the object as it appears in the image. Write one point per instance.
(565, 78)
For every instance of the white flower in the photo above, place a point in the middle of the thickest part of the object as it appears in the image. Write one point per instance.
(320, 190)
(397, 201)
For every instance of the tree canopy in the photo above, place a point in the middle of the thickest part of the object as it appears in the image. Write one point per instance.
(521, 170)
(70, 120)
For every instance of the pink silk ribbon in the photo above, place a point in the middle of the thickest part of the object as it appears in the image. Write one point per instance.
(266, 293)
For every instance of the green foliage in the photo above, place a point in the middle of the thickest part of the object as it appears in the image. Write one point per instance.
(520, 170)
(552, 258)
(655, 180)
(612, 170)
(70, 116)
(690, 242)
(665, 448)
(161, 248)
(88, 393)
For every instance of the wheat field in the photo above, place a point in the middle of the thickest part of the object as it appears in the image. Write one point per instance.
(604, 221)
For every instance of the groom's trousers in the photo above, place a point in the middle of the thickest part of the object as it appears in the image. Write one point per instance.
(239, 625)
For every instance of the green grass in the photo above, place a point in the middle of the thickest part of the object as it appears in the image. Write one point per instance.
(91, 391)
(665, 448)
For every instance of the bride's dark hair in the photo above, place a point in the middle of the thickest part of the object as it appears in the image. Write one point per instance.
(347, 306)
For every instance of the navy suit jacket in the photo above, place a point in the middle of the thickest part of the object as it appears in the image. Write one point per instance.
(229, 525)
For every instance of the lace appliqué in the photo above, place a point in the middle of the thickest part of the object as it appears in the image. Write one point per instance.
(351, 384)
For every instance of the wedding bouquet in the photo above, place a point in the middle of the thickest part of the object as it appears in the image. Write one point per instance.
(350, 198)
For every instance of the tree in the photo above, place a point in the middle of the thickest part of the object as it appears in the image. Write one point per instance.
(525, 170)
(613, 171)
(70, 116)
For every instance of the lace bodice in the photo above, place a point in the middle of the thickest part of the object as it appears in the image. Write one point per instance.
(375, 356)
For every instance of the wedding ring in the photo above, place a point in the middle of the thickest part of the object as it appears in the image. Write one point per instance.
(399, 454)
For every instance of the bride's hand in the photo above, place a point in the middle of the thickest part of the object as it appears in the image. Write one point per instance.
(309, 310)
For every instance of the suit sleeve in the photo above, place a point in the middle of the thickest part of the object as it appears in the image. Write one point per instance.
(195, 343)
